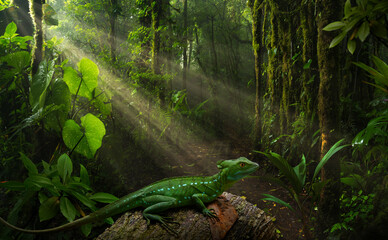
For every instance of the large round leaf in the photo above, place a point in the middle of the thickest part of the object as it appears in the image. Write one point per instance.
(89, 140)
(89, 71)
(94, 131)
(60, 96)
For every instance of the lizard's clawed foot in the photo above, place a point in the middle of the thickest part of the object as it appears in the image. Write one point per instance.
(165, 223)
(211, 213)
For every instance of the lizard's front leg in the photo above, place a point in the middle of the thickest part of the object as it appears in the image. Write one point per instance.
(199, 197)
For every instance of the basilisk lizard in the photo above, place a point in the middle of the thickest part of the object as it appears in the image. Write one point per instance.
(168, 193)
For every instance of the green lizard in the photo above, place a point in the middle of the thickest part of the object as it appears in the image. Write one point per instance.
(168, 193)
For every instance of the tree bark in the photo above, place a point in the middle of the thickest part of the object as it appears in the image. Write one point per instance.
(328, 63)
(38, 38)
(185, 44)
(112, 33)
(257, 48)
(252, 223)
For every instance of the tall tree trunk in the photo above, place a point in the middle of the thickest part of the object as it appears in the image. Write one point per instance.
(185, 44)
(112, 33)
(38, 37)
(257, 15)
(329, 11)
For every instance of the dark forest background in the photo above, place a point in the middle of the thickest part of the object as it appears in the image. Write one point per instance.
(107, 96)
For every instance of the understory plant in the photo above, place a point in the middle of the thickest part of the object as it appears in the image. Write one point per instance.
(294, 181)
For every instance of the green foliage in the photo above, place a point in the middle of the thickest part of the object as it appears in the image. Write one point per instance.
(59, 190)
(295, 180)
(82, 83)
(85, 140)
(380, 75)
(366, 18)
(356, 210)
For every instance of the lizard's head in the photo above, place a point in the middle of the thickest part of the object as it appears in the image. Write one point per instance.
(238, 168)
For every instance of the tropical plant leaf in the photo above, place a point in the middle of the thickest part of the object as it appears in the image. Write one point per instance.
(334, 26)
(86, 229)
(28, 164)
(84, 175)
(13, 185)
(334, 149)
(352, 46)
(272, 198)
(65, 167)
(103, 197)
(60, 96)
(300, 170)
(286, 169)
(67, 209)
(39, 84)
(363, 32)
(48, 209)
(337, 39)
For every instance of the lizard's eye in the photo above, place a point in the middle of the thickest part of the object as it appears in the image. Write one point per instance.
(242, 164)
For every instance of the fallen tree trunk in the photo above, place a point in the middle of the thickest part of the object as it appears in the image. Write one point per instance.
(250, 223)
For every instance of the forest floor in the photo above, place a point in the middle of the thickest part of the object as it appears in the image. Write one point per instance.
(286, 221)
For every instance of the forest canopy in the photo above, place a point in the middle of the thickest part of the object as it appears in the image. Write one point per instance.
(103, 97)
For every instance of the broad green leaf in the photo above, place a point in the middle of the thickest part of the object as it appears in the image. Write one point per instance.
(39, 181)
(337, 39)
(335, 148)
(270, 197)
(286, 169)
(48, 209)
(363, 32)
(82, 86)
(10, 30)
(103, 197)
(18, 60)
(89, 142)
(94, 131)
(59, 96)
(28, 164)
(300, 170)
(72, 135)
(67, 209)
(355, 181)
(65, 167)
(84, 200)
(382, 67)
(86, 229)
(13, 185)
(347, 8)
(351, 46)
(78, 186)
(72, 79)
(40, 81)
(89, 71)
(84, 175)
(334, 26)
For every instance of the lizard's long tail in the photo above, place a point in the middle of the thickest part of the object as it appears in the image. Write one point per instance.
(122, 205)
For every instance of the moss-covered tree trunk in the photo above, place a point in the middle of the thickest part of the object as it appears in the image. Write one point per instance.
(184, 44)
(257, 16)
(38, 37)
(328, 63)
(112, 34)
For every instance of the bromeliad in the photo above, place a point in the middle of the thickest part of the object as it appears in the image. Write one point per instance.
(168, 193)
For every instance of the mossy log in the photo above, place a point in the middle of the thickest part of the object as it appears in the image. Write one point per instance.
(238, 219)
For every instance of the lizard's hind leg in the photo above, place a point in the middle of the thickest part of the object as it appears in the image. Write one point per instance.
(157, 204)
